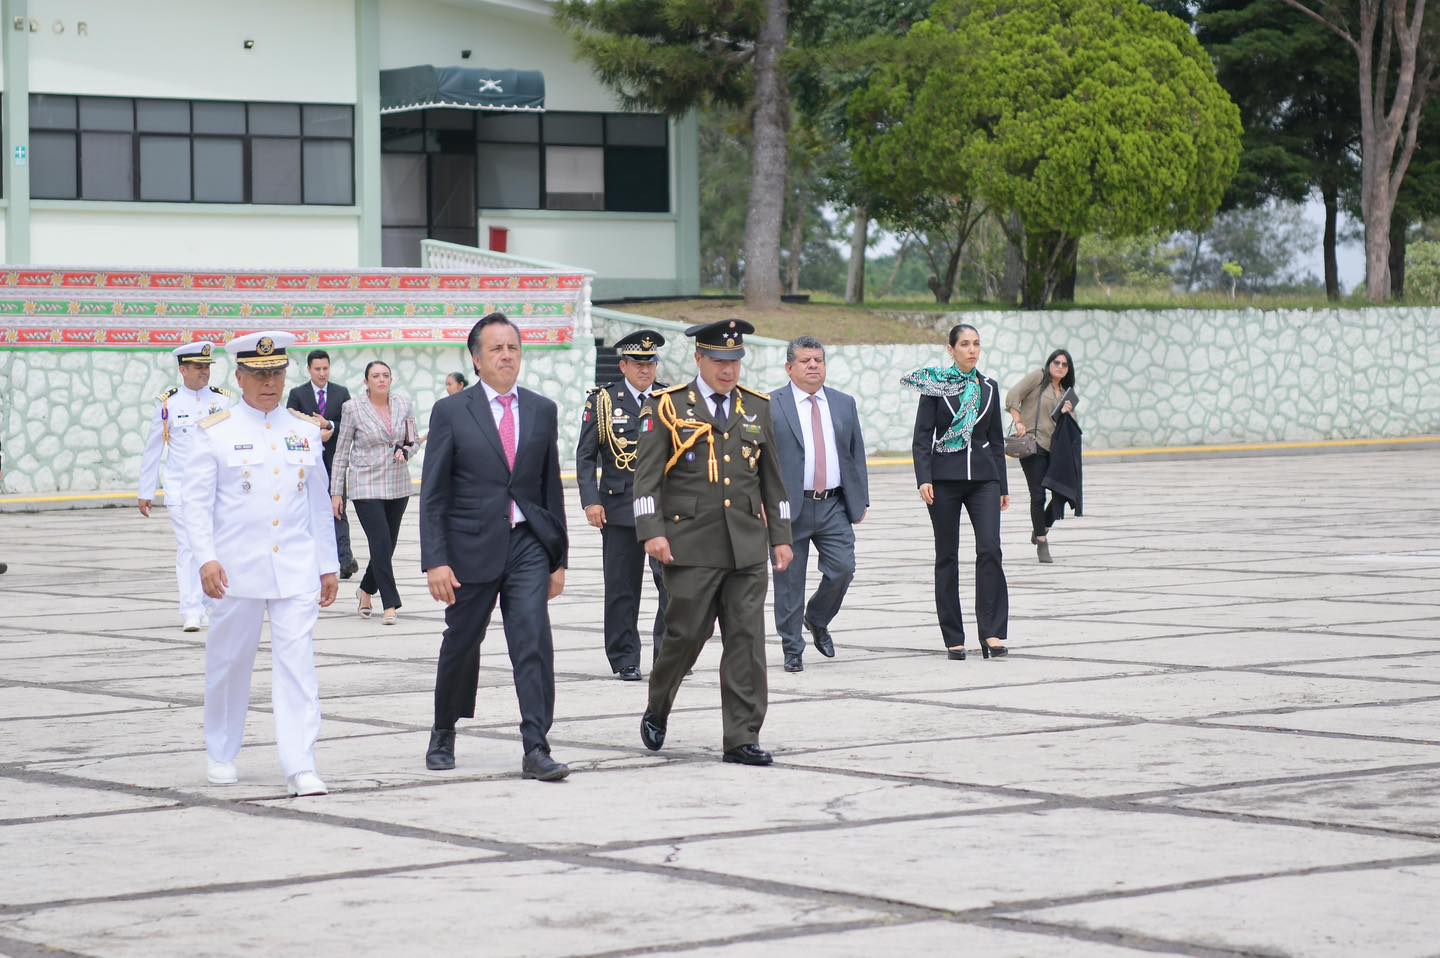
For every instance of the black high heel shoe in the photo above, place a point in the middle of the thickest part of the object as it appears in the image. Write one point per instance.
(955, 652)
(992, 651)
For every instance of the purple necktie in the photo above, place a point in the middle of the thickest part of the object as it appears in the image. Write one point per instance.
(320, 403)
(507, 430)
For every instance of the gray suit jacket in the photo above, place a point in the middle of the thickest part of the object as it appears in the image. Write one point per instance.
(850, 443)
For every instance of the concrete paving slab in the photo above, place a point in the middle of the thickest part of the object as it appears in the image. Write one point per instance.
(1221, 649)
(1403, 801)
(20, 702)
(1366, 912)
(505, 909)
(1119, 760)
(23, 800)
(16, 647)
(1087, 851)
(1416, 721)
(1414, 667)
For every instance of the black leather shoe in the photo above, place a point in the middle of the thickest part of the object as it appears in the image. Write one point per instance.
(630, 673)
(440, 756)
(540, 766)
(956, 652)
(993, 651)
(748, 755)
(349, 569)
(4, 568)
(793, 664)
(821, 635)
(652, 732)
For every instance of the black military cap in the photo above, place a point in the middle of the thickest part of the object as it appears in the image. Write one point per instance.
(640, 345)
(721, 340)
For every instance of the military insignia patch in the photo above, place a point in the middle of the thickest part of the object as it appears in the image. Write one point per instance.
(296, 443)
(647, 425)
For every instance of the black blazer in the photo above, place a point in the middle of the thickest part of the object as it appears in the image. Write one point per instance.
(601, 482)
(466, 487)
(302, 397)
(982, 460)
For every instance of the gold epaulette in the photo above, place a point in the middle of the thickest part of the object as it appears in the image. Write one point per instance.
(221, 390)
(218, 417)
(668, 389)
(758, 395)
(300, 415)
(167, 394)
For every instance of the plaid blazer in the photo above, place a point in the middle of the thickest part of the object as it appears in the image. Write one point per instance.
(365, 466)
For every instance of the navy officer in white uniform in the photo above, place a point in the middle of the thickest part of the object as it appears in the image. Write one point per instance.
(257, 509)
(175, 426)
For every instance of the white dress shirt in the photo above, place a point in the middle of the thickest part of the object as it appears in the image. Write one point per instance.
(635, 394)
(707, 393)
(257, 500)
(183, 411)
(832, 454)
(498, 411)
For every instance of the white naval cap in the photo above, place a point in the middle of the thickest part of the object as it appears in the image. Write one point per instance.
(263, 350)
(199, 353)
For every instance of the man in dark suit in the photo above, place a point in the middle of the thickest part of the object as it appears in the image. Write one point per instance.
(323, 401)
(822, 457)
(605, 468)
(492, 525)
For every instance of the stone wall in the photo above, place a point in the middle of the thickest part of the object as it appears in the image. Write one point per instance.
(75, 421)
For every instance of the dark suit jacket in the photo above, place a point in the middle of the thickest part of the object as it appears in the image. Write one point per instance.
(849, 447)
(466, 487)
(982, 460)
(602, 482)
(302, 397)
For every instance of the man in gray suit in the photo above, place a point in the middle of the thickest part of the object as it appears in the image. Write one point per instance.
(822, 459)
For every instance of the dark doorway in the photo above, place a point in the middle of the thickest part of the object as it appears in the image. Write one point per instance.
(427, 182)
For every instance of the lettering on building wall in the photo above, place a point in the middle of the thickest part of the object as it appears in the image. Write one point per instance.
(20, 24)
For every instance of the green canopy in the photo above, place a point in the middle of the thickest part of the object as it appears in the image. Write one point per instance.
(420, 88)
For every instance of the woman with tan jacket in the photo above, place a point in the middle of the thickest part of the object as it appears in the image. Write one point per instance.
(377, 438)
(1031, 403)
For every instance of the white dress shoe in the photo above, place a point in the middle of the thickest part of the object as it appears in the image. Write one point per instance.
(204, 620)
(305, 783)
(221, 773)
(192, 623)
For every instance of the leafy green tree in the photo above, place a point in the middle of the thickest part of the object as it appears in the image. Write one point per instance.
(724, 175)
(1264, 241)
(1424, 270)
(1294, 82)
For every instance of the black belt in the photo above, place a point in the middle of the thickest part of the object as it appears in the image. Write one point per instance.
(820, 495)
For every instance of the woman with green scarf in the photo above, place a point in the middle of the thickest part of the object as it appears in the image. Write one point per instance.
(959, 453)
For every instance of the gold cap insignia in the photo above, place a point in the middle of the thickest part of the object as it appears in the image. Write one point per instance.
(205, 350)
(647, 343)
(265, 346)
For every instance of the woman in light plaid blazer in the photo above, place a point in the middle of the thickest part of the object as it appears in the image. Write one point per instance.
(377, 438)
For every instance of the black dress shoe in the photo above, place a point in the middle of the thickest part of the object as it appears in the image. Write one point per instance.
(349, 569)
(956, 652)
(821, 635)
(748, 755)
(440, 756)
(630, 673)
(652, 732)
(793, 664)
(538, 764)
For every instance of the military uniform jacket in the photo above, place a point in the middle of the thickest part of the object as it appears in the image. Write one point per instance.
(605, 464)
(257, 500)
(176, 423)
(727, 518)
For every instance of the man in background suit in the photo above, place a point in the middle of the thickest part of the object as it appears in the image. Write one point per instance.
(822, 457)
(322, 400)
(492, 526)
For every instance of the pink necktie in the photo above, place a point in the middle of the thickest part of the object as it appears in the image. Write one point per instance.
(507, 430)
(817, 429)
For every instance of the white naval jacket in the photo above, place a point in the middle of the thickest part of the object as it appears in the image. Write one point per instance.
(257, 500)
(180, 410)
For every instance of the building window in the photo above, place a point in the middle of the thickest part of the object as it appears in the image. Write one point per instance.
(191, 151)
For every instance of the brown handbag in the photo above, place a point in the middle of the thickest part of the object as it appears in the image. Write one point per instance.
(1023, 447)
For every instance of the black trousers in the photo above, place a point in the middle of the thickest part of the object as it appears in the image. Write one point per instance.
(1035, 467)
(381, 518)
(342, 540)
(624, 560)
(992, 597)
(523, 590)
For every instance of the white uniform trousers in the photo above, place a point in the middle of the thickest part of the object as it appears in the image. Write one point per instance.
(193, 600)
(230, 647)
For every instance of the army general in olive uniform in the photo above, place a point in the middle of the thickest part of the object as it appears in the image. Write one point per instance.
(710, 505)
(605, 468)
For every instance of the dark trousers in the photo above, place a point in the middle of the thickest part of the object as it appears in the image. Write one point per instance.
(826, 524)
(342, 540)
(698, 595)
(381, 518)
(523, 590)
(1035, 467)
(992, 598)
(624, 561)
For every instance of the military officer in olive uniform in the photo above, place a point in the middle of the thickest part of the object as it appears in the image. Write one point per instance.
(175, 427)
(605, 467)
(710, 505)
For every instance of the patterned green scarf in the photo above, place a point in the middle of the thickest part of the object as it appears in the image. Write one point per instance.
(950, 381)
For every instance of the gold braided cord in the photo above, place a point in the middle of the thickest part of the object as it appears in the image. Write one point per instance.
(624, 450)
(670, 419)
